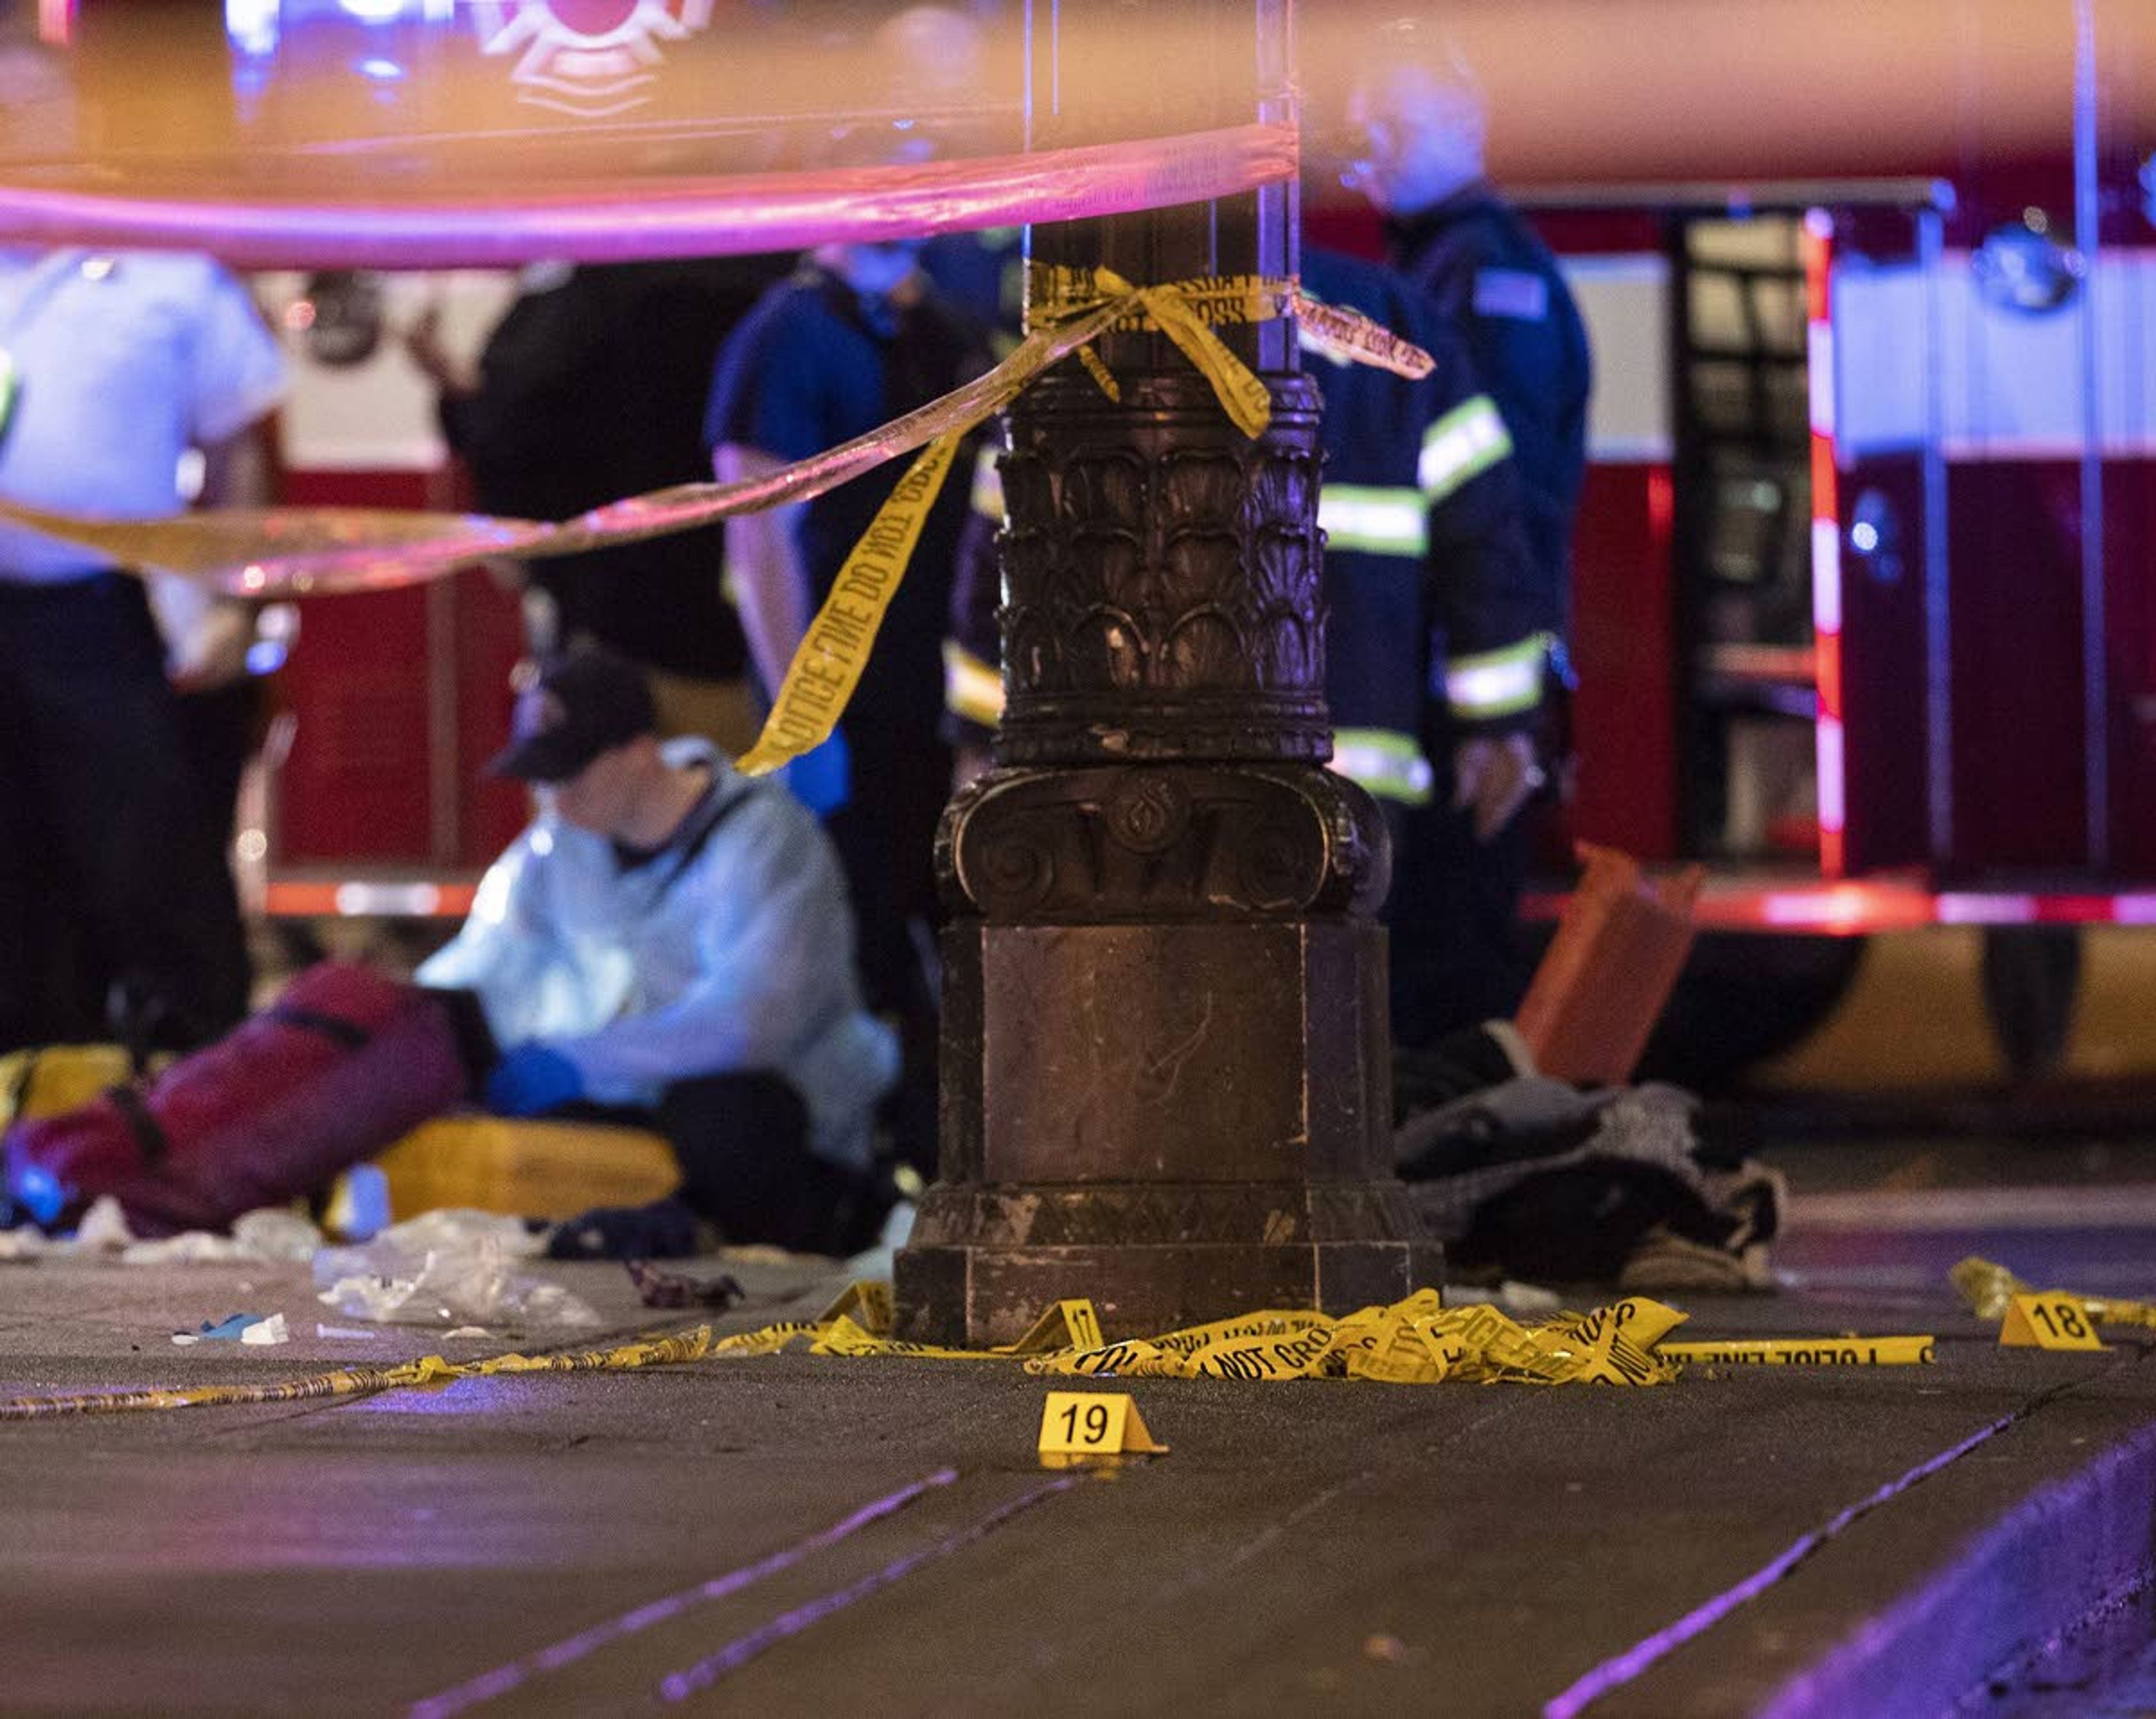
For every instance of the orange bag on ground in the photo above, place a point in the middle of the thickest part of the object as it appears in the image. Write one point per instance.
(1610, 970)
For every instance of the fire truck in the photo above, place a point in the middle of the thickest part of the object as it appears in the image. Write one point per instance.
(1876, 456)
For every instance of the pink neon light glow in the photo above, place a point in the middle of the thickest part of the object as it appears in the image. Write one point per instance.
(627, 219)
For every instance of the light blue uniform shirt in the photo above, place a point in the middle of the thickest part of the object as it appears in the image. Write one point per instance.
(742, 959)
(126, 360)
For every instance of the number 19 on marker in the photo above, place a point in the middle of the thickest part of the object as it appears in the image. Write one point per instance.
(1082, 1426)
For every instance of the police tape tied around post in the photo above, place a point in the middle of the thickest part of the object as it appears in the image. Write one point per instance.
(1418, 1341)
(263, 552)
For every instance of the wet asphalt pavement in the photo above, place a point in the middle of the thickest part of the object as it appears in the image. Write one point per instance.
(794, 1535)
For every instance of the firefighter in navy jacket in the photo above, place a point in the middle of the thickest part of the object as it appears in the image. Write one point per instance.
(1420, 121)
(1434, 638)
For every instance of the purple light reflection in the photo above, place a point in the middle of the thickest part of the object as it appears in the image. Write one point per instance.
(1615, 1672)
(503, 1678)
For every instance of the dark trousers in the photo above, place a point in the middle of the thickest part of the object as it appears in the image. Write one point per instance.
(111, 868)
(885, 839)
(1458, 954)
(885, 836)
(217, 730)
(742, 1143)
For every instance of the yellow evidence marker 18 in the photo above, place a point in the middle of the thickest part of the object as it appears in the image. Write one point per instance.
(2048, 1321)
(1091, 1426)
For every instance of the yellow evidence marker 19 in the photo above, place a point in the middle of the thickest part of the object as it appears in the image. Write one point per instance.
(1092, 1426)
(2048, 1321)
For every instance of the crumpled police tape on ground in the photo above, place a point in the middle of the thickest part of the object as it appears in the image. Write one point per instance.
(1414, 1341)
(258, 553)
(1418, 1341)
(1987, 1288)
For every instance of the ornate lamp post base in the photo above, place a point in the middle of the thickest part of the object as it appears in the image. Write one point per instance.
(1181, 1115)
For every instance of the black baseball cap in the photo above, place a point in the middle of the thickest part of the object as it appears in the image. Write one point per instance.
(581, 703)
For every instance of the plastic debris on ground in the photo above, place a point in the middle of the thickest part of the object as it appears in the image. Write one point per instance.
(451, 1267)
(1526, 1298)
(257, 1329)
(897, 1230)
(271, 1235)
(658, 1288)
(104, 1229)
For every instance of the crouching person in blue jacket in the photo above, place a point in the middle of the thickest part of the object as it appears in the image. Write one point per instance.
(670, 942)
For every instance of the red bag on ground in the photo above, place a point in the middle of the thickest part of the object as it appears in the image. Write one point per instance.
(344, 1062)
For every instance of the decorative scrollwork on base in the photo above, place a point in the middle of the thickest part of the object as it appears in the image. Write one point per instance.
(1180, 841)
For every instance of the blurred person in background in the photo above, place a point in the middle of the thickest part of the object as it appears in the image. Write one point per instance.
(854, 339)
(114, 881)
(1434, 646)
(669, 944)
(1434, 649)
(1417, 122)
(591, 388)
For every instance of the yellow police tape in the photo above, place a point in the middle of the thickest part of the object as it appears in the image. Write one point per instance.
(266, 551)
(1067, 310)
(363, 1381)
(1809, 1351)
(1417, 1342)
(1989, 1288)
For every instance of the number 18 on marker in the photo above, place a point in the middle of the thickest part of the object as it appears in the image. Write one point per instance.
(2048, 1320)
(1084, 1426)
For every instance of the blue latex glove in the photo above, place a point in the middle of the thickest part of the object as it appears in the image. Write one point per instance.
(822, 777)
(531, 1078)
(38, 1192)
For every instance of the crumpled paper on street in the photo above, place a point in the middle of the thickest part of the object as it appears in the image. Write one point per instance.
(451, 1267)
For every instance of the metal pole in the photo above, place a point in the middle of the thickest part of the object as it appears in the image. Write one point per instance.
(1938, 583)
(2088, 241)
(1165, 1062)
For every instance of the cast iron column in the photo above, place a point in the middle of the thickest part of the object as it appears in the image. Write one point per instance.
(1165, 1074)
